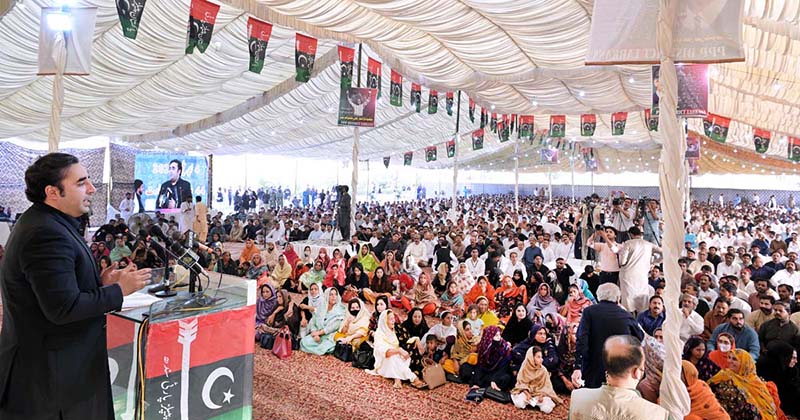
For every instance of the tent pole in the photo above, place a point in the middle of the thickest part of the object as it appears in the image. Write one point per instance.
(354, 178)
(516, 175)
(454, 202)
(550, 184)
(572, 174)
(592, 182)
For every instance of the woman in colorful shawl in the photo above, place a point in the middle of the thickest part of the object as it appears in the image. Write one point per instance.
(324, 324)
(742, 394)
(567, 350)
(324, 258)
(281, 272)
(337, 259)
(452, 301)
(286, 314)
(576, 303)
(367, 259)
(410, 333)
(391, 360)
(694, 351)
(466, 344)
(379, 285)
(355, 328)
(518, 326)
(542, 303)
(335, 276)
(290, 254)
(265, 305)
(481, 288)
(726, 343)
(507, 297)
(540, 337)
(533, 386)
(293, 284)
(654, 353)
(704, 404)
(485, 314)
(258, 270)
(441, 277)
(491, 370)
(422, 296)
(315, 275)
(463, 279)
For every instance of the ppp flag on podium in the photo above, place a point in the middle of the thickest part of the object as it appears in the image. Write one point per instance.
(121, 337)
(202, 16)
(305, 51)
(258, 32)
(202, 365)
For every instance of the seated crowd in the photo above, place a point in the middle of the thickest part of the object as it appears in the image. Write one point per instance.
(487, 293)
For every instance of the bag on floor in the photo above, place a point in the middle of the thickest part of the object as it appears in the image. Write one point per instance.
(453, 378)
(363, 358)
(503, 397)
(283, 344)
(475, 395)
(343, 352)
(432, 374)
(267, 341)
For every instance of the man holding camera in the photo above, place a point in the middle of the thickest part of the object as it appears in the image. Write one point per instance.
(607, 251)
(620, 217)
(588, 217)
(651, 220)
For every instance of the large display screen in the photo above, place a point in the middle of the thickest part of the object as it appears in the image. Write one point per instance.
(169, 179)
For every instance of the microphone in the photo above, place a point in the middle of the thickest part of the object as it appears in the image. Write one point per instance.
(156, 231)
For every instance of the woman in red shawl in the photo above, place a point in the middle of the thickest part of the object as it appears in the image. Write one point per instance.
(290, 254)
(507, 297)
(576, 302)
(481, 288)
(335, 276)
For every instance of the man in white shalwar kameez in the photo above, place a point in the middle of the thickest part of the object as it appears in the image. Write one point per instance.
(635, 259)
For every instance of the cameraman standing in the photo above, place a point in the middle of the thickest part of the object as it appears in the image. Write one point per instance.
(620, 217)
(650, 222)
(588, 216)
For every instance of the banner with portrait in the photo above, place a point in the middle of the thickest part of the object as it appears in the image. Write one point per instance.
(357, 107)
(169, 178)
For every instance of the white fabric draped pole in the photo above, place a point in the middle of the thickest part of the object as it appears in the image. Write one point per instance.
(354, 185)
(60, 59)
(572, 173)
(550, 184)
(674, 396)
(455, 178)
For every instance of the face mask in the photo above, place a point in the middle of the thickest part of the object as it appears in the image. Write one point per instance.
(354, 312)
(724, 348)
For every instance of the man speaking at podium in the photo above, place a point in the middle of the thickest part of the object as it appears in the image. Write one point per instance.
(53, 358)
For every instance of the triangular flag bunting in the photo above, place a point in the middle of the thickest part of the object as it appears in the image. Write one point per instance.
(130, 14)
(386, 160)
(761, 140)
(202, 16)
(346, 57)
(396, 89)
(558, 125)
(588, 124)
(416, 96)
(794, 149)
(451, 148)
(525, 127)
(374, 75)
(618, 120)
(305, 51)
(430, 154)
(477, 139)
(433, 101)
(407, 158)
(259, 33)
(448, 103)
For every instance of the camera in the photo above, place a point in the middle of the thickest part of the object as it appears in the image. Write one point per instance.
(616, 202)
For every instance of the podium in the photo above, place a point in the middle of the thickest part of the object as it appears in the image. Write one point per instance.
(169, 361)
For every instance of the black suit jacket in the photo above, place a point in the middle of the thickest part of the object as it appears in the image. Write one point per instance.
(53, 354)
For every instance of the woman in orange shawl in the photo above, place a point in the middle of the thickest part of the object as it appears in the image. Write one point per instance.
(481, 288)
(740, 391)
(725, 344)
(704, 404)
(507, 297)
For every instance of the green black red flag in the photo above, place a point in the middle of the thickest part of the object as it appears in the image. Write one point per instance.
(477, 139)
(451, 148)
(202, 16)
(513, 122)
(471, 110)
(374, 75)
(718, 130)
(526, 127)
(130, 14)
(430, 154)
(259, 33)
(416, 96)
(305, 51)
(346, 57)
(652, 120)
(396, 89)
(448, 103)
(407, 158)
(761, 140)
(588, 124)
(618, 120)
(493, 122)
(707, 125)
(433, 101)
(794, 149)
(484, 117)
(558, 126)
(503, 129)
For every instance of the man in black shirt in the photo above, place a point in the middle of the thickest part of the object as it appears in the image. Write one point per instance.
(172, 191)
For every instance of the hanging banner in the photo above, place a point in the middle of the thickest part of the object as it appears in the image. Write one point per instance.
(471, 110)
(451, 148)
(526, 127)
(433, 101)
(761, 140)
(707, 31)
(448, 103)
(396, 89)
(558, 126)
(692, 90)
(374, 68)
(416, 96)
(794, 149)
(305, 51)
(357, 107)
(202, 16)
(430, 154)
(346, 57)
(718, 127)
(652, 120)
(259, 32)
(477, 139)
(548, 156)
(692, 146)
(618, 120)
(484, 117)
(502, 131)
(130, 14)
(386, 161)
(588, 124)
(407, 158)
(493, 123)
(513, 122)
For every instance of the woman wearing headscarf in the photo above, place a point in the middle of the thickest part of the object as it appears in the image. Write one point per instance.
(410, 333)
(355, 328)
(282, 271)
(335, 277)
(726, 343)
(379, 285)
(576, 302)
(324, 324)
(338, 259)
(779, 365)
(265, 305)
(324, 258)
(422, 296)
(367, 259)
(463, 279)
(694, 351)
(356, 281)
(507, 297)
(310, 306)
(567, 350)
(286, 314)
(481, 288)
(654, 353)
(541, 304)
(441, 277)
(258, 270)
(485, 314)
(391, 360)
(518, 326)
(290, 254)
(533, 385)
(293, 284)
(466, 344)
(315, 275)
(390, 264)
(742, 394)
(704, 404)
(452, 301)
(494, 353)
(445, 332)
(540, 337)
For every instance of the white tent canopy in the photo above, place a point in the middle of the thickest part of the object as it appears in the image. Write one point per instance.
(520, 56)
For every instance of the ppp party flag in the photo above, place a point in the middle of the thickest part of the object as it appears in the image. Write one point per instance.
(386, 160)
(652, 120)
(484, 117)
(130, 14)
(718, 129)
(794, 149)
(448, 103)
(761, 140)
(259, 32)
(503, 129)
(407, 158)
(618, 120)
(305, 51)
(202, 16)
(416, 96)
(430, 154)
(477, 139)
(201, 367)
(396, 89)
(588, 124)
(346, 57)
(558, 125)
(493, 122)
(471, 110)
(374, 75)
(433, 101)
(451, 148)
(525, 127)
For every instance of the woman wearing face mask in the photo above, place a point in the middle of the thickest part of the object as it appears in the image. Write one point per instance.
(725, 344)
(325, 322)
(355, 328)
(518, 326)
(694, 351)
(494, 353)
(533, 384)
(742, 394)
